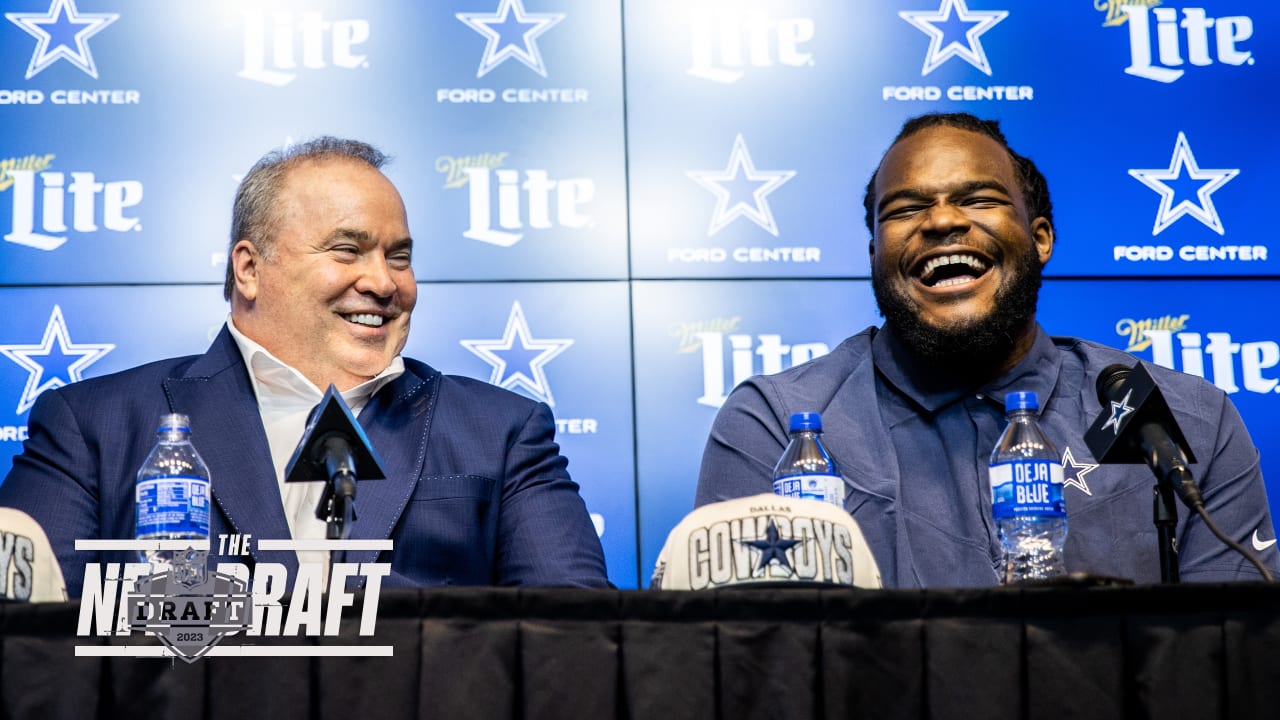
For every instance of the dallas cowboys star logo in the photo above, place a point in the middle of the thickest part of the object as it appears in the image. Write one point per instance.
(964, 29)
(751, 187)
(772, 548)
(67, 31)
(61, 362)
(1073, 473)
(511, 32)
(1210, 180)
(518, 360)
(1119, 410)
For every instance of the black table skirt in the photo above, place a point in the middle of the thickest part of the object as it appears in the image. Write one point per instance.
(1189, 651)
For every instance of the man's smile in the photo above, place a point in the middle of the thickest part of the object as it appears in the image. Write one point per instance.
(367, 319)
(944, 270)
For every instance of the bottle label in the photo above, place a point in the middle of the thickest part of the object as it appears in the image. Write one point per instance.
(1026, 487)
(174, 505)
(824, 488)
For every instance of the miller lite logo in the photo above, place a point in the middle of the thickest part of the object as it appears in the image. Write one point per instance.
(68, 201)
(275, 47)
(1231, 366)
(1162, 42)
(743, 349)
(505, 202)
(726, 40)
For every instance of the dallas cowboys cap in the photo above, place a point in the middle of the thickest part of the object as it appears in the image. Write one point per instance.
(32, 573)
(765, 539)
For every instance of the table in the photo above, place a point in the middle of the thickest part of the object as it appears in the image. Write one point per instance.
(1178, 651)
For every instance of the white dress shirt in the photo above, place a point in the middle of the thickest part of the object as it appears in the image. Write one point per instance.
(285, 400)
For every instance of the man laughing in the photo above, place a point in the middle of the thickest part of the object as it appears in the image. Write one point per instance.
(961, 228)
(321, 284)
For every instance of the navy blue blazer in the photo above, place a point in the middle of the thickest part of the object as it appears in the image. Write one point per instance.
(477, 492)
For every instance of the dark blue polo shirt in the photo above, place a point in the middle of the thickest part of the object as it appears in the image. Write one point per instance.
(914, 456)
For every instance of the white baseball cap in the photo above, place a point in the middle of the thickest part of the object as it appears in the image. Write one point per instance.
(765, 539)
(32, 573)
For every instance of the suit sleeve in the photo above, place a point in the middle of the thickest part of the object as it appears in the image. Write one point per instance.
(55, 481)
(545, 536)
(1236, 499)
(746, 440)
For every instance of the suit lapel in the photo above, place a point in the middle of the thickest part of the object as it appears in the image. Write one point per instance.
(227, 431)
(397, 421)
(217, 395)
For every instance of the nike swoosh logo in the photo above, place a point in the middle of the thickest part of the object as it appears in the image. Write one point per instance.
(1259, 544)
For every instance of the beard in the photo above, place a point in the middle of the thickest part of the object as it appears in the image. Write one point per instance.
(974, 349)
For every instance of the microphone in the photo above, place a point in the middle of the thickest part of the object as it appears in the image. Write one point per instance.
(334, 449)
(1136, 426)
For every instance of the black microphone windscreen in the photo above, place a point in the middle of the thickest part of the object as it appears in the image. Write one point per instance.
(332, 417)
(1111, 376)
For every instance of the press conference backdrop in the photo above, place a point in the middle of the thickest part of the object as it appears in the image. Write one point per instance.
(623, 209)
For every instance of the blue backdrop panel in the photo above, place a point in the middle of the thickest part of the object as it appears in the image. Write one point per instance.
(565, 344)
(531, 101)
(695, 340)
(524, 158)
(739, 129)
(756, 124)
(51, 337)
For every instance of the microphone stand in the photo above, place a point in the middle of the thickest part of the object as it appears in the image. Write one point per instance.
(1168, 464)
(337, 506)
(1165, 511)
(1151, 436)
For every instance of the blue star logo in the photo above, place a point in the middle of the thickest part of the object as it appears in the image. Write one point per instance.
(772, 548)
(1073, 473)
(60, 362)
(1119, 411)
(953, 31)
(62, 34)
(510, 33)
(517, 359)
(1207, 181)
(741, 190)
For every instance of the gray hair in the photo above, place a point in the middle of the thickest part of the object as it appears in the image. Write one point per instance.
(253, 215)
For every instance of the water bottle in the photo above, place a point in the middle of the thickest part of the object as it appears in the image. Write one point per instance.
(1026, 494)
(806, 470)
(172, 495)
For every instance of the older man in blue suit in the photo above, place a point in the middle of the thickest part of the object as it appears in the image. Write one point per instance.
(321, 286)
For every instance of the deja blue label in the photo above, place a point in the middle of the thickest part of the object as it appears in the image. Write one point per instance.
(173, 506)
(824, 488)
(1026, 487)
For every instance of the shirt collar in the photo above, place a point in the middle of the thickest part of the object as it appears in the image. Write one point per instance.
(917, 380)
(276, 383)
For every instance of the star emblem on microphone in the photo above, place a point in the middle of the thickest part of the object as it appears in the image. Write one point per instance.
(1119, 411)
(771, 548)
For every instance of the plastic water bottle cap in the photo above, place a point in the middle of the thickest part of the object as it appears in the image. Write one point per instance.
(1022, 400)
(170, 422)
(806, 421)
